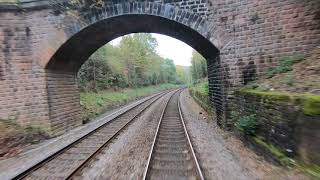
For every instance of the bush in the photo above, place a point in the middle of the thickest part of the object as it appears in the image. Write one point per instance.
(246, 124)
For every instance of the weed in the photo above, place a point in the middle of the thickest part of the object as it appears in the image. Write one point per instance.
(285, 65)
(290, 80)
(246, 124)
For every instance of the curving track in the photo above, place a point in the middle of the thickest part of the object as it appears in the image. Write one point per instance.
(70, 160)
(172, 155)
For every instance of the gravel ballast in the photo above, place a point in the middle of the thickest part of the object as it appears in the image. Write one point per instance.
(126, 156)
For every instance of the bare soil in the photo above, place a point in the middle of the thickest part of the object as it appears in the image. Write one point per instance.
(15, 139)
(221, 154)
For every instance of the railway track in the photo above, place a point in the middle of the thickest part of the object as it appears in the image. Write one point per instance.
(69, 161)
(172, 155)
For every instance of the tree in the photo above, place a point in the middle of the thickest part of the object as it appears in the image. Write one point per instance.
(133, 63)
(183, 74)
(198, 67)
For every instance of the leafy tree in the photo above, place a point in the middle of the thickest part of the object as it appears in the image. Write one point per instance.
(198, 67)
(183, 74)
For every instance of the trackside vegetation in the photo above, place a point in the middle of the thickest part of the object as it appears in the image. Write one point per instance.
(95, 103)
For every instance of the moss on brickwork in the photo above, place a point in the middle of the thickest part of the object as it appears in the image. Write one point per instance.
(311, 105)
(270, 95)
(312, 170)
(10, 1)
(276, 152)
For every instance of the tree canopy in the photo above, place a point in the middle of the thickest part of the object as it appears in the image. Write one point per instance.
(133, 63)
(198, 67)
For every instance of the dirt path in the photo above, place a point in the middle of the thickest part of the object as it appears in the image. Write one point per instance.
(223, 156)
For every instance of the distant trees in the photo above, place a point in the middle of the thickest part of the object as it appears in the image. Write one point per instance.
(198, 67)
(133, 63)
(183, 74)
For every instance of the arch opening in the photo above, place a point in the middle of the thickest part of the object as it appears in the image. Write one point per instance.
(62, 68)
(73, 53)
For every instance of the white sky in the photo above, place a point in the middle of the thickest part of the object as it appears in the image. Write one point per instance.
(171, 48)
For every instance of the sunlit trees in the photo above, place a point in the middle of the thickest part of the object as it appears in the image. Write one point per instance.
(198, 67)
(133, 63)
(183, 74)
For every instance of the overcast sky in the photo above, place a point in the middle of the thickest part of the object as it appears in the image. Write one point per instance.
(171, 48)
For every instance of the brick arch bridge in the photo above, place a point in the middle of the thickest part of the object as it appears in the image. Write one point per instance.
(96, 27)
(70, 33)
(45, 43)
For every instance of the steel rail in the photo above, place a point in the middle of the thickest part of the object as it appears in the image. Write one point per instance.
(61, 151)
(79, 168)
(195, 159)
(155, 138)
(152, 150)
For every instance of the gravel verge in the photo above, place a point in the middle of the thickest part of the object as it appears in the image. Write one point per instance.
(222, 155)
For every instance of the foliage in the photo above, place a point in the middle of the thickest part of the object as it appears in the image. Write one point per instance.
(246, 124)
(202, 87)
(93, 103)
(200, 93)
(133, 63)
(198, 67)
(183, 74)
(285, 65)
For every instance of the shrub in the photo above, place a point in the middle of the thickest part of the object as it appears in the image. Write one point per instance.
(246, 124)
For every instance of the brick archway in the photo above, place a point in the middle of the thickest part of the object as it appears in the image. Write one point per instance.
(99, 26)
(58, 38)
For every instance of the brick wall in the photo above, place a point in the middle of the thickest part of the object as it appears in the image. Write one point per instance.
(282, 122)
(23, 96)
(29, 40)
(260, 33)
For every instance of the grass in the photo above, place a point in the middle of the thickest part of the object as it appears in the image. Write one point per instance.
(93, 104)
